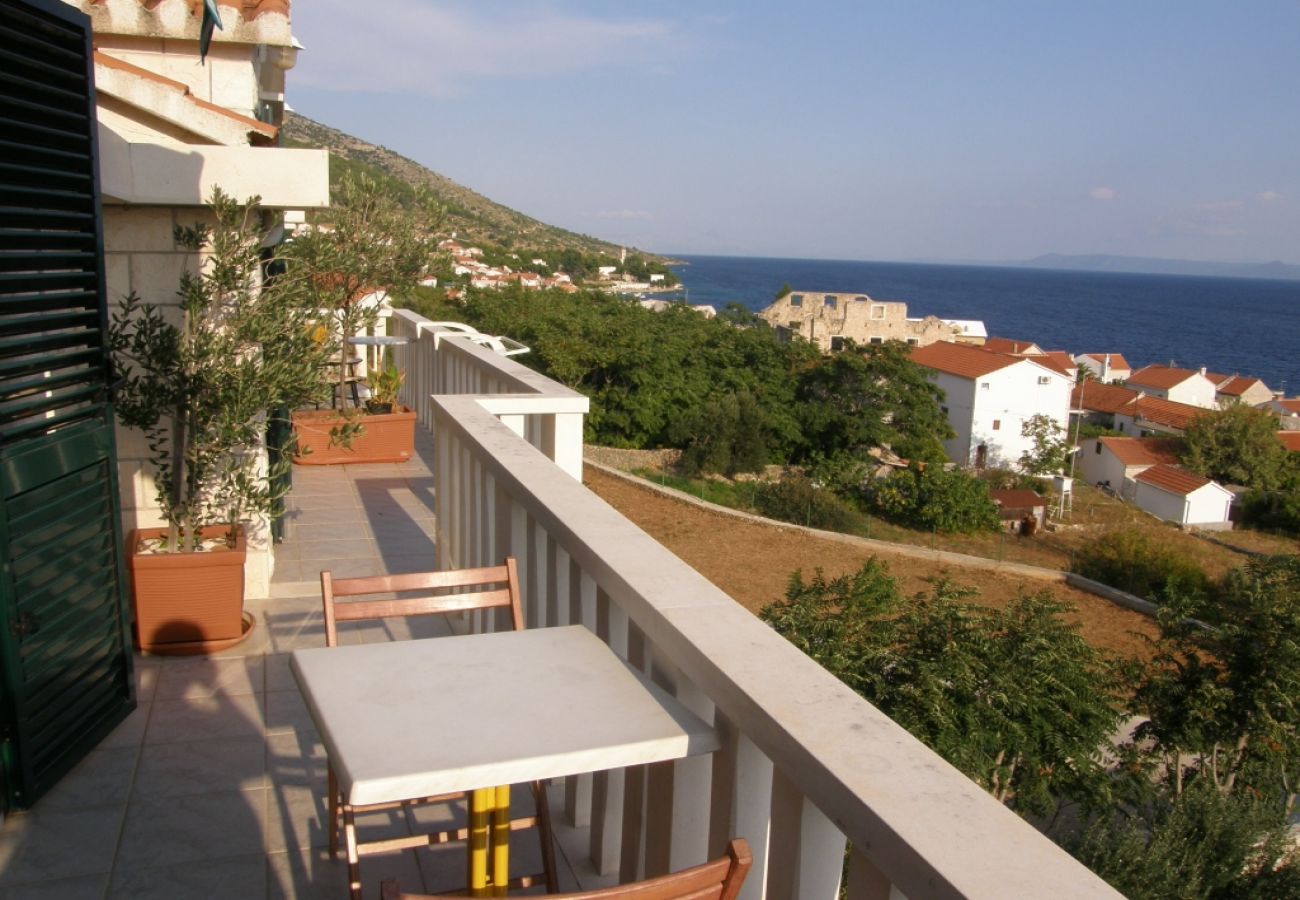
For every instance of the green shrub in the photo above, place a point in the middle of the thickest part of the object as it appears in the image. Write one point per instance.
(1275, 510)
(935, 499)
(795, 498)
(725, 434)
(1133, 561)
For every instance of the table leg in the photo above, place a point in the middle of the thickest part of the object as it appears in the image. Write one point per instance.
(480, 808)
(501, 841)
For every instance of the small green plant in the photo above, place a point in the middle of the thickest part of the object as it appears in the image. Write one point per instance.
(384, 386)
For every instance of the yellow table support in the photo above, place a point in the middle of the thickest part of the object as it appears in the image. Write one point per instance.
(489, 836)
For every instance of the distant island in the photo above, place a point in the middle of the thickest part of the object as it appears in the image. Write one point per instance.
(1100, 262)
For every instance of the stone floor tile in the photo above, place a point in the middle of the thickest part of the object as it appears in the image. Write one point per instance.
(299, 519)
(312, 875)
(131, 732)
(200, 767)
(297, 814)
(102, 778)
(333, 500)
(279, 677)
(286, 570)
(146, 677)
(206, 719)
(295, 631)
(184, 678)
(286, 712)
(354, 530)
(243, 877)
(295, 757)
(88, 887)
(167, 831)
(355, 568)
(45, 845)
(324, 551)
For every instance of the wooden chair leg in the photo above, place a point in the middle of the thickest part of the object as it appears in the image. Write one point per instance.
(354, 859)
(333, 791)
(546, 836)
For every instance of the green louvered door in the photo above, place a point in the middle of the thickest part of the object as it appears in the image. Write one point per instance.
(65, 652)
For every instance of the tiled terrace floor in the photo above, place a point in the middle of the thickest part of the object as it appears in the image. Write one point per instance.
(214, 786)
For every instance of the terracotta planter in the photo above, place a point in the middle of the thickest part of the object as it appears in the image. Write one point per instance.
(386, 438)
(188, 602)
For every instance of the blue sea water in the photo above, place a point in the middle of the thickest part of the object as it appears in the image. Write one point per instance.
(1229, 325)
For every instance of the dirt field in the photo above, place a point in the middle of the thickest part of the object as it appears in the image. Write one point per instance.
(752, 562)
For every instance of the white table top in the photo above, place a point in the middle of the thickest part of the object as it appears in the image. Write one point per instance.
(408, 719)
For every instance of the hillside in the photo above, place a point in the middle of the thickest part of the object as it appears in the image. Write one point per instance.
(472, 216)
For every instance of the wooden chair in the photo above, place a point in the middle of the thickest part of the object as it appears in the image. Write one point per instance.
(719, 879)
(440, 593)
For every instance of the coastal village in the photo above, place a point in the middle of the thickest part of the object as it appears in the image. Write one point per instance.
(996, 386)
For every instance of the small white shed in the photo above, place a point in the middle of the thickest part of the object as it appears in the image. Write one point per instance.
(1182, 497)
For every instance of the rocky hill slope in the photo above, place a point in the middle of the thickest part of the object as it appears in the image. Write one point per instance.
(472, 216)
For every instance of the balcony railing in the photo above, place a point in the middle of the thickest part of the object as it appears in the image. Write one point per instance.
(807, 766)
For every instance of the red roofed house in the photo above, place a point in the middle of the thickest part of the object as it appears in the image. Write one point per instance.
(1115, 462)
(989, 397)
(1012, 346)
(1184, 498)
(1179, 385)
(1239, 389)
(171, 129)
(1287, 412)
(1290, 440)
(1105, 367)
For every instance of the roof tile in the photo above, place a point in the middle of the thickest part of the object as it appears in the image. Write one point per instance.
(1173, 479)
(964, 360)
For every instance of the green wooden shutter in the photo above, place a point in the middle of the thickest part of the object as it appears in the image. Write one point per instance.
(65, 653)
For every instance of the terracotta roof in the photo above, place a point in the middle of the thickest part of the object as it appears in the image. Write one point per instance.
(1009, 345)
(1117, 360)
(1058, 360)
(1097, 397)
(964, 360)
(1290, 440)
(248, 9)
(1291, 405)
(1149, 451)
(1160, 377)
(1017, 499)
(261, 132)
(1236, 385)
(1173, 479)
(1163, 412)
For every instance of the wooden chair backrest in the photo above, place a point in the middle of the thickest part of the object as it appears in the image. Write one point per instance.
(502, 583)
(718, 879)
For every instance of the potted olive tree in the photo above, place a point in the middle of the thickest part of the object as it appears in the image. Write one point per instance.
(367, 245)
(197, 377)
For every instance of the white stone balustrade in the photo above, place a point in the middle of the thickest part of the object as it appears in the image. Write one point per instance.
(807, 766)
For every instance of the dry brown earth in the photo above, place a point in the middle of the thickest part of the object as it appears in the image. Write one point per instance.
(752, 562)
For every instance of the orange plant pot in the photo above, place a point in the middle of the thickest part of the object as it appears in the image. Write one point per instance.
(188, 602)
(385, 438)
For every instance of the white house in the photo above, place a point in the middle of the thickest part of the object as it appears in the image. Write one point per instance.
(1286, 410)
(1184, 498)
(170, 130)
(1239, 389)
(1105, 367)
(1115, 462)
(1179, 385)
(989, 397)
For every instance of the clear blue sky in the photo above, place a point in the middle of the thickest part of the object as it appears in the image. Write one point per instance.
(849, 130)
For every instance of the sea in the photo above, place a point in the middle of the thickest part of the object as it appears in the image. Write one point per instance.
(1230, 325)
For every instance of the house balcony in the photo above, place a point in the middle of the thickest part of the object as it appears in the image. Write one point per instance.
(215, 784)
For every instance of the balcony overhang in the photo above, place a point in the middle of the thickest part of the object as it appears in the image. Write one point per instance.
(185, 174)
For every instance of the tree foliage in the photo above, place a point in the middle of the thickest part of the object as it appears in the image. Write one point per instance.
(650, 374)
(1051, 446)
(872, 396)
(935, 498)
(1238, 445)
(198, 375)
(1013, 697)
